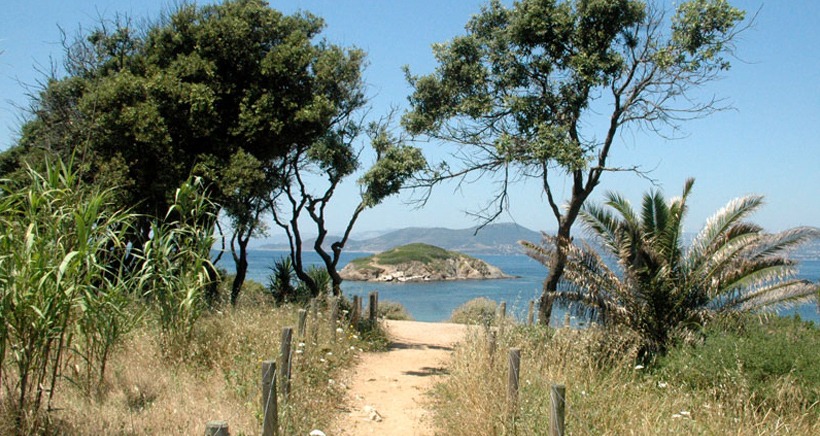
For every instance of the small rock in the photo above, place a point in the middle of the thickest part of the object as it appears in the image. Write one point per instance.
(372, 414)
(317, 433)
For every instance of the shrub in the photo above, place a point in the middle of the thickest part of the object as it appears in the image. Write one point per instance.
(476, 311)
(774, 359)
(393, 310)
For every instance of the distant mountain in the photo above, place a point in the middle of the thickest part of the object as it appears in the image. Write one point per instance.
(492, 239)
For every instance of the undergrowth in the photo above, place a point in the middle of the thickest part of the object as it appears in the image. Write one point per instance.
(760, 378)
(149, 391)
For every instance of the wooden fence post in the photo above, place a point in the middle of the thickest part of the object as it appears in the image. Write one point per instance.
(531, 313)
(217, 428)
(355, 311)
(334, 317)
(285, 361)
(314, 319)
(374, 306)
(558, 402)
(502, 316)
(270, 412)
(491, 345)
(302, 323)
(512, 384)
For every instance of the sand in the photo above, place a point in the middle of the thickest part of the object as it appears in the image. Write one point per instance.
(388, 390)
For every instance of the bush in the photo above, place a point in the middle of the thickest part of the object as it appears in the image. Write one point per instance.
(476, 311)
(393, 310)
(774, 360)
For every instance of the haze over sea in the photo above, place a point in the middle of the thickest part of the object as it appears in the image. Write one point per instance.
(434, 301)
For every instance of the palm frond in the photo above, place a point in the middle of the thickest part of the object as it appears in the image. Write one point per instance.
(719, 224)
(774, 244)
(780, 295)
(602, 225)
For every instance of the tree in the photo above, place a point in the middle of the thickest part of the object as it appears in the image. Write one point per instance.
(334, 158)
(223, 90)
(521, 93)
(661, 287)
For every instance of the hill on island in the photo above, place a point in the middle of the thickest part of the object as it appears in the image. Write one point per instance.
(419, 262)
(492, 239)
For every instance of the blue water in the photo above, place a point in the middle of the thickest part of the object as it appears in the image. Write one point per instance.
(434, 301)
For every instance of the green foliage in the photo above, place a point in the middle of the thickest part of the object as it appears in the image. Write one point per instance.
(522, 77)
(229, 91)
(481, 311)
(663, 289)
(320, 279)
(393, 310)
(176, 266)
(281, 279)
(62, 285)
(774, 358)
(417, 252)
(540, 88)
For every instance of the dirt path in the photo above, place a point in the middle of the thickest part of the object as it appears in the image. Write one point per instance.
(387, 389)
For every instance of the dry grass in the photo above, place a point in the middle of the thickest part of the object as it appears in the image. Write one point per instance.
(216, 378)
(606, 393)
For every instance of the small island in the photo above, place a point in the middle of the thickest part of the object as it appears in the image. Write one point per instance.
(419, 263)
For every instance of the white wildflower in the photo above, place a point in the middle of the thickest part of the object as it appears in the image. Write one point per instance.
(662, 385)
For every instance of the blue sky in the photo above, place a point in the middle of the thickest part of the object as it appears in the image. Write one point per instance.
(768, 144)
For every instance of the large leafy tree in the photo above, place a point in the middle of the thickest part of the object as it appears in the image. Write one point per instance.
(661, 286)
(225, 89)
(541, 89)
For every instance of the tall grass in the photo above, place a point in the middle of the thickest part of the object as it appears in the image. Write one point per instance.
(59, 292)
(69, 292)
(606, 392)
(218, 377)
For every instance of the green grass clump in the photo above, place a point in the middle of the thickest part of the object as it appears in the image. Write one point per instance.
(393, 310)
(775, 360)
(418, 252)
(481, 311)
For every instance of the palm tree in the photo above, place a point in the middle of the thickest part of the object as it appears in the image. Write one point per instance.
(660, 287)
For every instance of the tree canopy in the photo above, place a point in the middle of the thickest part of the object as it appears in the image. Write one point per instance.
(221, 90)
(142, 107)
(523, 91)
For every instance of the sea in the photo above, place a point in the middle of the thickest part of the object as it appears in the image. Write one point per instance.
(435, 301)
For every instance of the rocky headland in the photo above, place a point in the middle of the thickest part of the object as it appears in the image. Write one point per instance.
(419, 263)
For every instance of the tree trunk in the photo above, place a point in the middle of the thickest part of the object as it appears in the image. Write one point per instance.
(556, 270)
(241, 271)
(580, 193)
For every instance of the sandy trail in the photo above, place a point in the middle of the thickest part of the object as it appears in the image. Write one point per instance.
(387, 390)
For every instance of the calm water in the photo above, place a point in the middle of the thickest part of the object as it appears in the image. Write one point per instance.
(434, 301)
